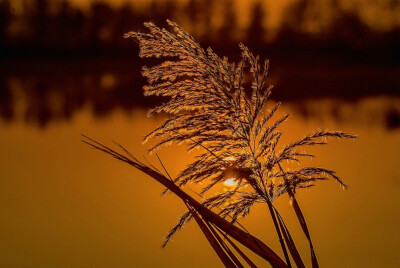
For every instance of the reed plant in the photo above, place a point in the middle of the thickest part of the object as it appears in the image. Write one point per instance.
(221, 107)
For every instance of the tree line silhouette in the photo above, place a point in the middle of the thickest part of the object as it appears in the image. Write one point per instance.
(60, 58)
(46, 27)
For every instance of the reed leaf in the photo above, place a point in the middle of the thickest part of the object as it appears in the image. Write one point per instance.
(238, 250)
(225, 246)
(215, 244)
(246, 239)
(301, 220)
(303, 224)
(289, 241)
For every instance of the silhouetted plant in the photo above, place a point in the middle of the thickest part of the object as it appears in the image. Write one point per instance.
(210, 110)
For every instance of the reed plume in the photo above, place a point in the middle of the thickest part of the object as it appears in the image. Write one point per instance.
(209, 109)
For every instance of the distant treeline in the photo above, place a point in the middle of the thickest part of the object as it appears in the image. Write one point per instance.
(57, 28)
(55, 59)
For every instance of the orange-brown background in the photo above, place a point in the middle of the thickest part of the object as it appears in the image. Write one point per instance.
(66, 70)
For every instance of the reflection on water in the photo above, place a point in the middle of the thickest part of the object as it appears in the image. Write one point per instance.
(41, 92)
(372, 112)
(45, 91)
(63, 204)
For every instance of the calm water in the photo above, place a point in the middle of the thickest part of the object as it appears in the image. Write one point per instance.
(63, 204)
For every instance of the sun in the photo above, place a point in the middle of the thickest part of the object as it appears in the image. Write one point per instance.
(230, 182)
(230, 158)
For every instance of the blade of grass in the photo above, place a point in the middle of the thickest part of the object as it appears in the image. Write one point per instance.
(225, 246)
(238, 250)
(162, 164)
(289, 242)
(301, 219)
(246, 239)
(303, 224)
(211, 239)
(126, 151)
(279, 233)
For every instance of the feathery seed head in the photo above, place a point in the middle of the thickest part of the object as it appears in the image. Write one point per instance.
(209, 109)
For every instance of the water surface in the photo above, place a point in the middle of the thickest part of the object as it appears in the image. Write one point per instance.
(63, 204)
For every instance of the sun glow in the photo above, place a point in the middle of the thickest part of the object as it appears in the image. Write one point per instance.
(230, 158)
(230, 182)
